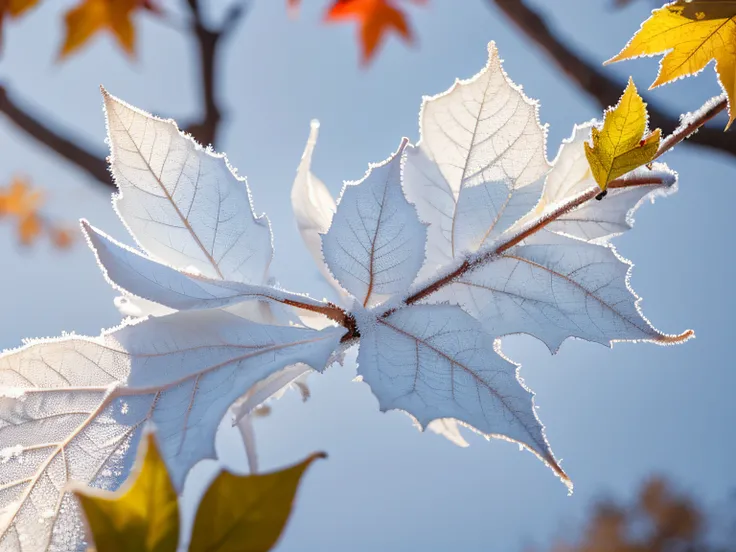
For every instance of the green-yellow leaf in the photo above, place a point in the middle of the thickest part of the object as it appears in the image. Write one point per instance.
(246, 513)
(621, 145)
(141, 516)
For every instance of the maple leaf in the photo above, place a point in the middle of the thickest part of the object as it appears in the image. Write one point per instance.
(622, 144)
(92, 16)
(375, 17)
(144, 515)
(690, 35)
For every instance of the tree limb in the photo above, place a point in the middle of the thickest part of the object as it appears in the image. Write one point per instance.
(208, 43)
(599, 86)
(204, 131)
(92, 163)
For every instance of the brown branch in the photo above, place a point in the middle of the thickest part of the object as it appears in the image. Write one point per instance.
(574, 203)
(208, 43)
(603, 89)
(92, 163)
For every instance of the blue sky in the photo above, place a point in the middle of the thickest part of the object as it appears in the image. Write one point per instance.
(615, 416)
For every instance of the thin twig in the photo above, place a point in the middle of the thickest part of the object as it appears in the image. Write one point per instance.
(686, 131)
(592, 80)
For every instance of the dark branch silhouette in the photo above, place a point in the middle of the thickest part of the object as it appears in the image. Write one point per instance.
(592, 80)
(204, 129)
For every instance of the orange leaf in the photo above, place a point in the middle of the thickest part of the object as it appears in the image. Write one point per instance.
(62, 238)
(18, 199)
(29, 229)
(91, 16)
(375, 17)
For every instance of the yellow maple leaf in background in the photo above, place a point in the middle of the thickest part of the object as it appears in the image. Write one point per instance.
(142, 516)
(620, 145)
(92, 16)
(690, 35)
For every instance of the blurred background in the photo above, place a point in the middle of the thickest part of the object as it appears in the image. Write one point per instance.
(617, 417)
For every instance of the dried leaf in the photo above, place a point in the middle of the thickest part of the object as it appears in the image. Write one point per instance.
(622, 144)
(690, 35)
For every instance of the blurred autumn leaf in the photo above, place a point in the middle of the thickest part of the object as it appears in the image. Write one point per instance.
(20, 202)
(690, 34)
(658, 520)
(238, 513)
(246, 513)
(93, 16)
(144, 515)
(621, 145)
(375, 19)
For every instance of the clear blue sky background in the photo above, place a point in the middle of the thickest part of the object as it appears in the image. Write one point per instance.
(613, 416)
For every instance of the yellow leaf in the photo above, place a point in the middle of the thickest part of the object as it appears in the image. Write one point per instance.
(246, 513)
(620, 146)
(143, 516)
(690, 35)
(92, 16)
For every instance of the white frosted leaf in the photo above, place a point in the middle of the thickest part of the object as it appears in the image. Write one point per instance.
(375, 245)
(313, 207)
(596, 221)
(435, 362)
(485, 133)
(83, 403)
(182, 203)
(270, 388)
(449, 429)
(136, 274)
(554, 287)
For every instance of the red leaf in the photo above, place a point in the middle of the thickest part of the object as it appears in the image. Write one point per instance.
(375, 17)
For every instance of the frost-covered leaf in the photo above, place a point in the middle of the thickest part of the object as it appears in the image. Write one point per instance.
(71, 408)
(622, 143)
(436, 361)
(596, 221)
(182, 203)
(554, 287)
(313, 207)
(479, 165)
(375, 245)
(143, 277)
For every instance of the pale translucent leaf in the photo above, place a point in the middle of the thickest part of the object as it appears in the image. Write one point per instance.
(435, 362)
(596, 221)
(375, 245)
(554, 287)
(129, 270)
(182, 203)
(74, 407)
(272, 387)
(449, 429)
(313, 207)
(482, 133)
